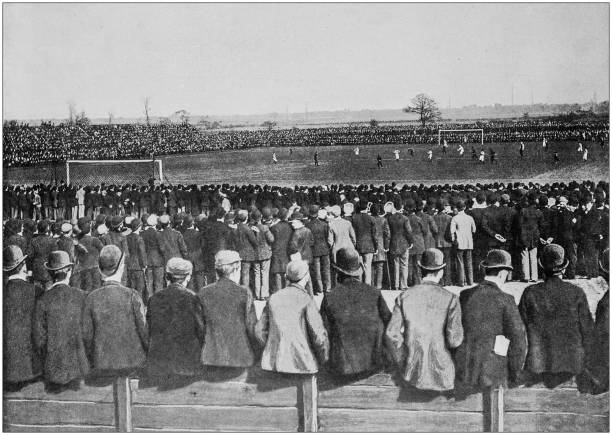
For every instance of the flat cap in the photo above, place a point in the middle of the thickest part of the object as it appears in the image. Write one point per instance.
(225, 257)
(296, 270)
(152, 220)
(164, 219)
(66, 227)
(110, 259)
(178, 267)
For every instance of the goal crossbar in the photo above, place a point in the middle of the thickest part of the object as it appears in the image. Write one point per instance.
(110, 162)
(461, 130)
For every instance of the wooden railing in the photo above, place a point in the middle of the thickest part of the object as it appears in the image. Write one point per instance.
(259, 401)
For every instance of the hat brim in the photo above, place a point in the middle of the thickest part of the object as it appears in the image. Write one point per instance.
(355, 272)
(14, 265)
(495, 266)
(431, 268)
(58, 268)
(556, 268)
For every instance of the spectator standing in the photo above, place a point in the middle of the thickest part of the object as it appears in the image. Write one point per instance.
(57, 327)
(229, 317)
(355, 315)
(320, 271)
(263, 254)
(246, 245)
(136, 261)
(282, 232)
(383, 237)
(425, 327)
(462, 231)
(366, 239)
(530, 221)
(399, 246)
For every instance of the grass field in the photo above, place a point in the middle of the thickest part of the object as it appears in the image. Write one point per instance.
(338, 164)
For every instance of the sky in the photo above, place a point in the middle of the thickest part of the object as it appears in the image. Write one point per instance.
(245, 58)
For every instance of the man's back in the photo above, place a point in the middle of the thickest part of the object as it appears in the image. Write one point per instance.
(365, 233)
(559, 324)
(401, 233)
(229, 315)
(486, 313)
(320, 231)
(355, 315)
(114, 328)
(430, 317)
(152, 246)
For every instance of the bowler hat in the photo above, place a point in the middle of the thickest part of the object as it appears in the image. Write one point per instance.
(432, 260)
(256, 215)
(314, 211)
(179, 267)
(116, 221)
(322, 213)
(152, 220)
(164, 219)
(66, 227)
(348, 262)
(296, 216)
(58, 260)
(110, 259)
(553, 258)
(497, 259)
(135, 224)
(12, 256)
(296, 270)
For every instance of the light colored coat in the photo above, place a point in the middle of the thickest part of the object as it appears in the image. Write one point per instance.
(341, 235)
(462, 229)
(430, 317)
(292, 331)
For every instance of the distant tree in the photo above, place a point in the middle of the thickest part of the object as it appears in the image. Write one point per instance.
(268, 124)
(526, 115)
(373, 123)
(425, 107)
(72, 114)
(110, 118)
(82, 120)
(147, 109)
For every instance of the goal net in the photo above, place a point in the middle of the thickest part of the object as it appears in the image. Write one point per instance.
(461, 135)
(94, 172)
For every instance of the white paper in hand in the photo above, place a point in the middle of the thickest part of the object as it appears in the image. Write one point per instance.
(501, 345)
(296, 256)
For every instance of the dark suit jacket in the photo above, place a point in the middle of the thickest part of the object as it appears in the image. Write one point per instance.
(264, 241)
(172, 244)
(365, 233)
(529, 225)
(495, 221)
(214, 236)
(246, 242)
(153, 247)
(565, 226)
(40, 247)
(418, 235)
(114, 329)
(320, 231)
(176, 332)
(383, 236)
(193, 243)
(401, 234)
(487, 312)
(282, 232)
(21, 362)
(355, 315)
(117, 239)
(443, 221)
(57, 334)
(137, 260)
(559, 326)
(302, 242)
(89, 259)
(430, 229)
(229, 315)
(480, 238)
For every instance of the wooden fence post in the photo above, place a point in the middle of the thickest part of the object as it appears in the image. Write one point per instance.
(310, 395)
(122, 395)
(493, 407)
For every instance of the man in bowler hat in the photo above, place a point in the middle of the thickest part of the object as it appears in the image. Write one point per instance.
(425, 327)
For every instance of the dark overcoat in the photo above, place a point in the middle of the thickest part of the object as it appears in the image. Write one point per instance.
(365, 233)
(401, 234)
(302, 242)
(20, 360)
(559, 326)
(58, 336)
(486, 312)
(193, 242)
(383, 235)
(176, 332)
(137, 260)
(229, 316)
(152, 243)
(530, 221)
(114, 329)
(320, 231)
(172, 244)
(282, 232)
(214, 237)
(40, 247)
(246, 242)
(355, 315)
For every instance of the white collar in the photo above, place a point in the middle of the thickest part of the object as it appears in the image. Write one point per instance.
(20, 276)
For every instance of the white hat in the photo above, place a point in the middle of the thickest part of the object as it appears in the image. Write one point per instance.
(152, 220)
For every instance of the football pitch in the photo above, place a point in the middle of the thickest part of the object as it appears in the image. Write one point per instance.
(339, 164)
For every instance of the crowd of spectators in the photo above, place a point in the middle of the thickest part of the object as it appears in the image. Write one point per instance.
(25, 145)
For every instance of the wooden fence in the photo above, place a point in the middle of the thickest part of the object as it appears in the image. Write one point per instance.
(260, 401)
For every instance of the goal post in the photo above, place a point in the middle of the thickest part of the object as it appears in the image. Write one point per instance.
(113, 171)
(461, 130)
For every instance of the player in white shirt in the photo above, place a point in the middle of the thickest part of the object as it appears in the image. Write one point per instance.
(580, 148)
(544, 143)
(356, 150)
(396, 152)
(274, 159)
(585, 155)
(444, 147)
(430, 155)
(522, 149)
(461, 150)
(481, 158)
